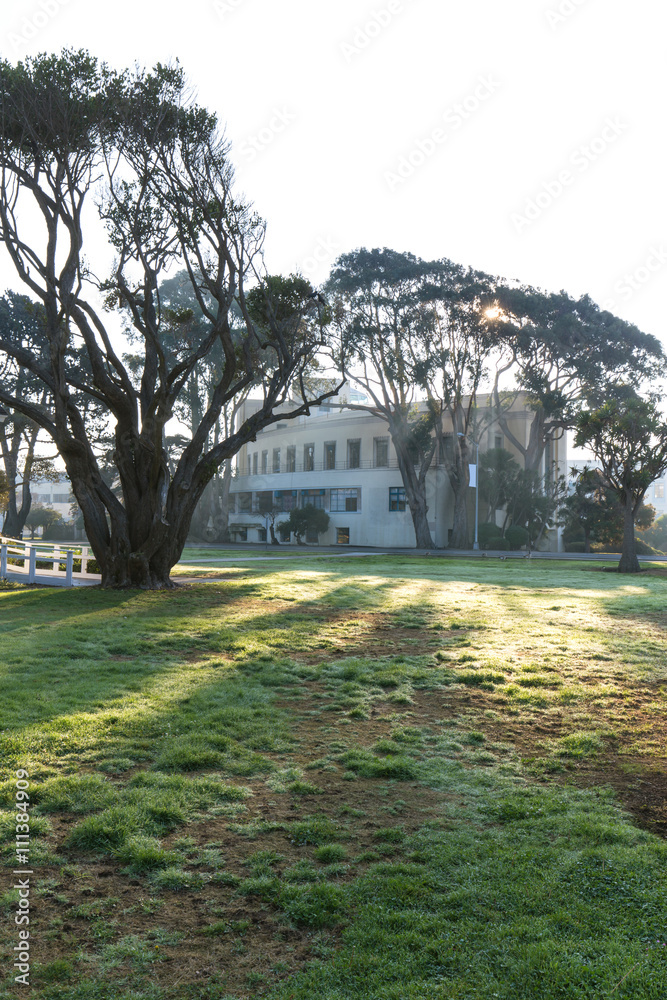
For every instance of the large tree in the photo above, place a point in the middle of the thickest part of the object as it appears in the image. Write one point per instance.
(628, 435)
(72, 131)
(563, 352)
(416, 341)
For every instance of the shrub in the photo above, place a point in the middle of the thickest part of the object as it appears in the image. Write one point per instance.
(489, 534)
(500, 545)
(516, 536)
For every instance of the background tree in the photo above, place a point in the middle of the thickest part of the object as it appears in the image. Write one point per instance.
(42, 517)
(303, 520)
(23, 321)
(563, 353)
(413, 334)
(498, 472)
(592, 510)
(655, 534)
(534, 503)
(4, 495)
(628, 436)
(69, 128)
(529, 501)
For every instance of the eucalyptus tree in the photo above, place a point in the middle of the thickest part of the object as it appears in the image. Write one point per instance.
(73, 131)
(563, 352)
(415, 338)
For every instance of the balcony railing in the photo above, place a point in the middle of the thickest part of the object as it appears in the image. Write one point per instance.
(316, 467)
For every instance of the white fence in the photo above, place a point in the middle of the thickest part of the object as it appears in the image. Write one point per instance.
(19, 563)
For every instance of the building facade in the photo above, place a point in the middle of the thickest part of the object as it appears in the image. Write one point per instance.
(343, 461)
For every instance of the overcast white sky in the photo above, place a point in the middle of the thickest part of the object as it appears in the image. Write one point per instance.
(525, 138)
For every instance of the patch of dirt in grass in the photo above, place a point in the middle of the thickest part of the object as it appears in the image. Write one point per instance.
(250, 943)
(639, 780)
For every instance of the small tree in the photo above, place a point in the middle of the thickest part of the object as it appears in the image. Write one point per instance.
(656, 533)
(628, 436)
(593, 508)
(302, 520)
(42, 517)
(498, 471)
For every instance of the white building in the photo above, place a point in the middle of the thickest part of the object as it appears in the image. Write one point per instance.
(344, 461)
(52, 494)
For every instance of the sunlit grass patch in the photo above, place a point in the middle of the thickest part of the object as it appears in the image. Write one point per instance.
(511, 883)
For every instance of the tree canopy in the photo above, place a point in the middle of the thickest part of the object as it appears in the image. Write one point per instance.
(71, 130)
(414, 335)
(628, 435)
(564, 352)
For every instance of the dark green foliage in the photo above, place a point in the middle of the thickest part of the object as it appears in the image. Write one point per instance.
(516, 536)
(303, 520)
(489, 533)
(628, 435)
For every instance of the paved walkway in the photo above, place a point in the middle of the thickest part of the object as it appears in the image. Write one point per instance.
(315, 553)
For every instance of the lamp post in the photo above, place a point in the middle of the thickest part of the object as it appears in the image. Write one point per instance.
(475, 544)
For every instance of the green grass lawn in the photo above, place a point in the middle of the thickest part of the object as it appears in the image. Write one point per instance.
(384, 778)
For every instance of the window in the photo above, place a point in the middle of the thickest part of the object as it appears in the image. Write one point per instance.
(254, 464)
(344, 500)
(285, 499)
(60, 497)
(660, 491)
(276, 460)
(329, 454)
(241, 534)
(312, 537)
(249, 465)
(285, 534)
(308, 457)
(313, 498)
(498, 441)
(381, 452)
(342, 536)
(290, 459)
(261, 532)
(397, 499)
(265, 462)
(232, 503)
(353, 453)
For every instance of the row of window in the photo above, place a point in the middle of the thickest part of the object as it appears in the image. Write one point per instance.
(56, 498)
(336, 501)
(258, 462)
(306, 460)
